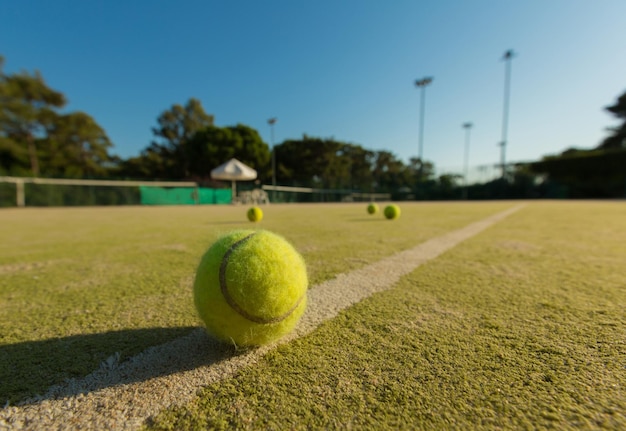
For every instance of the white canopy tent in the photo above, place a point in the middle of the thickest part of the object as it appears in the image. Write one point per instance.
(233, 170)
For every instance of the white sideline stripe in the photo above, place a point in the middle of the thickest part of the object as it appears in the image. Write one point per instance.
(123, 396)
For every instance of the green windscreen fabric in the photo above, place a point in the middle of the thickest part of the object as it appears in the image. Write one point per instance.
(215, 196)
(183, 196)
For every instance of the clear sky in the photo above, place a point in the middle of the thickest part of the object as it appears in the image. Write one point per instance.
(335, 68)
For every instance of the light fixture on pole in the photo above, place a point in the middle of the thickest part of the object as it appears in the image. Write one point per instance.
(271, 122)
(467, 127)
(422, 83)
(508, 56)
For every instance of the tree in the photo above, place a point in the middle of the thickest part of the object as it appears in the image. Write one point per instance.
(212, 146)
(326, 163)
(361, 161)
(150, 164)
(388, 172)
(27, 105)
(596, 173)
(618, 138)
(310, 162)
(176, 127)
(420, 172)
(77, 147)
(254, 151)
(35, 138)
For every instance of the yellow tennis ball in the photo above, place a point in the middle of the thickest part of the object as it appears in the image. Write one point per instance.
(372, 209)
(250, 287)
(392, 211)
(255, 214)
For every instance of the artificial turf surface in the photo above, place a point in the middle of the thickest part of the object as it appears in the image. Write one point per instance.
(520, 327)
(79, 285)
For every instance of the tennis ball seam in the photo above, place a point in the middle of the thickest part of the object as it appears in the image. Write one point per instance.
(231, 301)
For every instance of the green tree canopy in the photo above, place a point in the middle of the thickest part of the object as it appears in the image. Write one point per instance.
(27, 106)
(176, 126)
(308, 162)
(618, 138)
(326, 163)
(596, 173)
(212, 146)
(195, 156)
(388, 172)
(35, 138)
(76, 146)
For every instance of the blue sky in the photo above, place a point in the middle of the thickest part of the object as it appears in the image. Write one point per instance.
(335, 68)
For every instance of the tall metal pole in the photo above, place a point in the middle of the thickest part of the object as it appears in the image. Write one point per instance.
(422, 83)
(271, 122)
(508, 56)
(467, 127)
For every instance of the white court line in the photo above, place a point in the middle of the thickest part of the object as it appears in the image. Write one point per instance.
(123, 396)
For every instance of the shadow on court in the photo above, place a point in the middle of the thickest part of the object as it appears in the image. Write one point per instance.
(37, 370)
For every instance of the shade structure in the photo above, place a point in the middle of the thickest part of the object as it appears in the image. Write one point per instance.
(233, 170)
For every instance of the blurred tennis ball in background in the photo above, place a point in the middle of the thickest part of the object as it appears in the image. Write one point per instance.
(372, 209)
(392, 211)
(255, 214)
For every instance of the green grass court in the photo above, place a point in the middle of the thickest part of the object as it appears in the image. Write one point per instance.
(519, 327)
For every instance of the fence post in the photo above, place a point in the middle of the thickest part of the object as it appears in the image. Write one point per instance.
(19, 188)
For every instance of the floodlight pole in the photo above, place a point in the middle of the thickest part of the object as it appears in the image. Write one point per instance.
(421, 84)
(508, 56)
(467, 127)
(271, 122)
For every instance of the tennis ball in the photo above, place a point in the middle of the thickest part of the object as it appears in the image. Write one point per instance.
(255, 214)
(250, 287)
(392, 211)
(372, 209)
